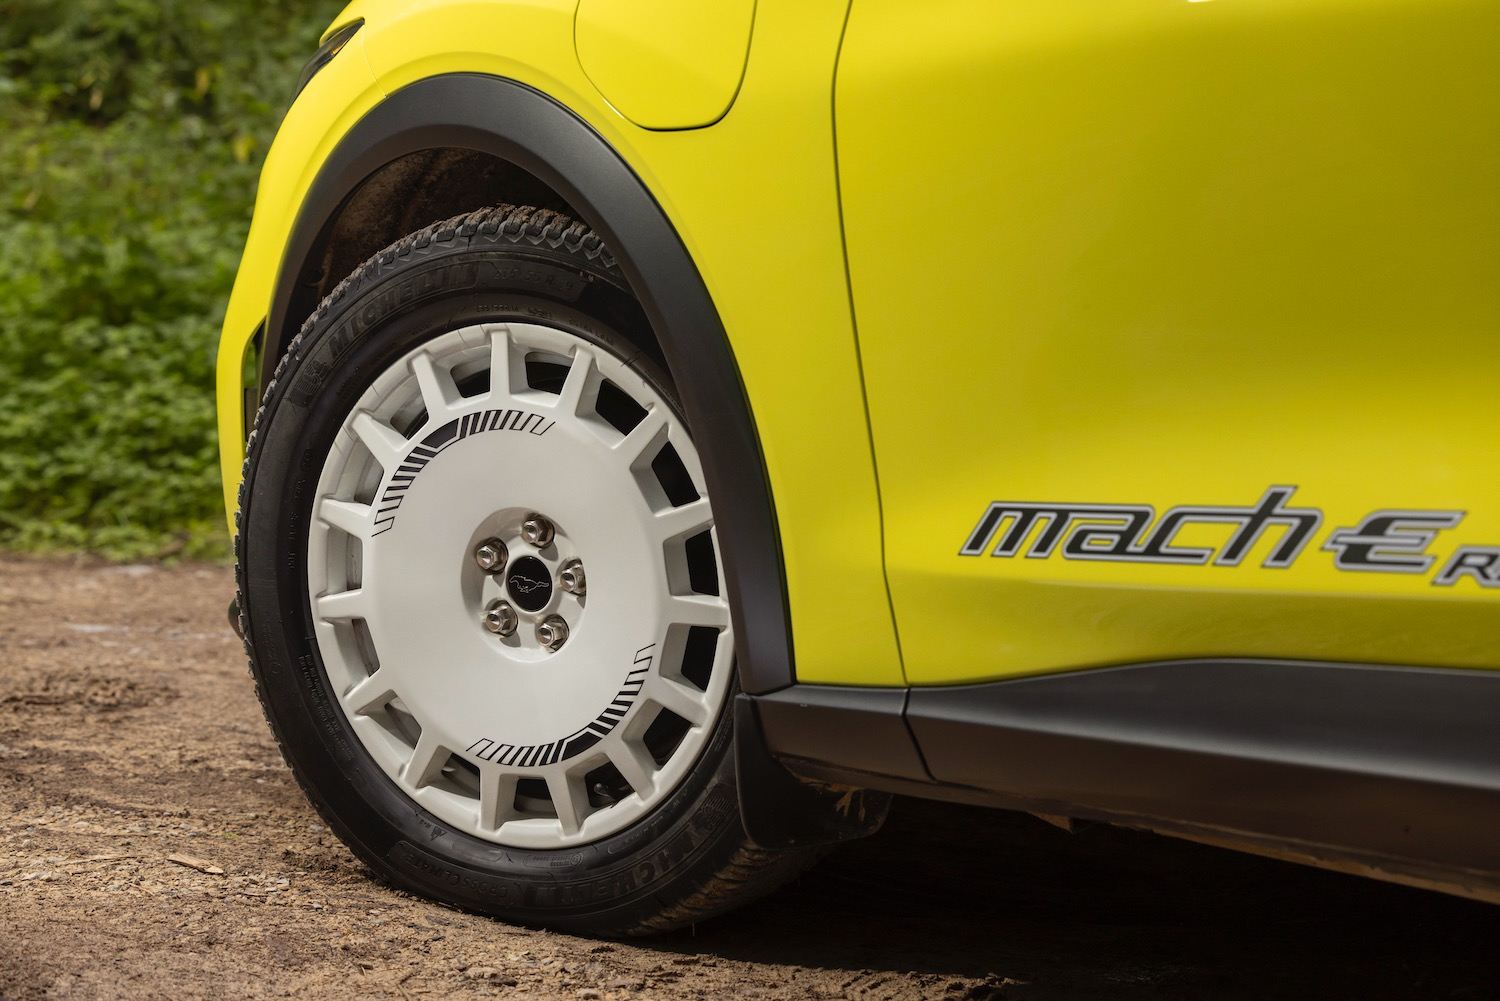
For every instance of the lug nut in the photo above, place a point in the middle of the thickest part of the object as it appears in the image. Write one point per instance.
(490, 555)
(570, 577)
(552, 632)
(500, 619)
(538, 531)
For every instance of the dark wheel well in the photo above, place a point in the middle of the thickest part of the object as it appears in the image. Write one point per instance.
(402, 197)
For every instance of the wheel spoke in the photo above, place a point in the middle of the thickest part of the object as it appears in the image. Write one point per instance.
(580, 389)
(368, 695)
(497, 797)
(644, 440)
(698, 610)
(344, 606)
(384, 442)
(426, 762)
(439, 392)
(500, 359)
(673, 523)
(635, 765)
(672, 695)
(567, 793)
(356, 519)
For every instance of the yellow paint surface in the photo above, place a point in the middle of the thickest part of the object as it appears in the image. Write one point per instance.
(665, 64)
(1131, 252)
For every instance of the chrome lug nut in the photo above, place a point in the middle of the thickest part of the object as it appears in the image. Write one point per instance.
(538, 531)
(552, 632)
(490, 555)
(499, 618)
(570, 577)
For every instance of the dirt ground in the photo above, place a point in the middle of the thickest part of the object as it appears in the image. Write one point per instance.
(153, 845)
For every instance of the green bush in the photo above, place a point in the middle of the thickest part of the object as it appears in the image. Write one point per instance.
(131, 135)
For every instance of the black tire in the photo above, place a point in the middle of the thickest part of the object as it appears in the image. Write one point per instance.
(684, 860)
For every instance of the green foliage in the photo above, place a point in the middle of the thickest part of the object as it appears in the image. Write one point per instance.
(131, 134)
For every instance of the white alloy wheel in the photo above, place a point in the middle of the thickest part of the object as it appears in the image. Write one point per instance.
(525, 706)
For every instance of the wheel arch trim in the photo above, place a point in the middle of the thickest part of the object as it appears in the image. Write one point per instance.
(517, 123)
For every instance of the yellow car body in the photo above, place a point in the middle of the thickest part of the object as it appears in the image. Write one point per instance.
(1076, 335)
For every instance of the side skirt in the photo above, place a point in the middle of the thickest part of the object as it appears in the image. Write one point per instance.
(1391, 770)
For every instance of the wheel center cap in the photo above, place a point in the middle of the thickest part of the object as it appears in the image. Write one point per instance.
(529, 583)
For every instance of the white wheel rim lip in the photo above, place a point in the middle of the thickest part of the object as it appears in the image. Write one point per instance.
(399, 570)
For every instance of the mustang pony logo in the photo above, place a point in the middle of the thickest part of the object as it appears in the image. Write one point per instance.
(525, 584)
(1386, 541)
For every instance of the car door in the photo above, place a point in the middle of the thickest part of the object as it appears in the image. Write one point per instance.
(1178, 322)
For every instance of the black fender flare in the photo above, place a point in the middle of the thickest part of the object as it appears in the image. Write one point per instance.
(517, 123)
